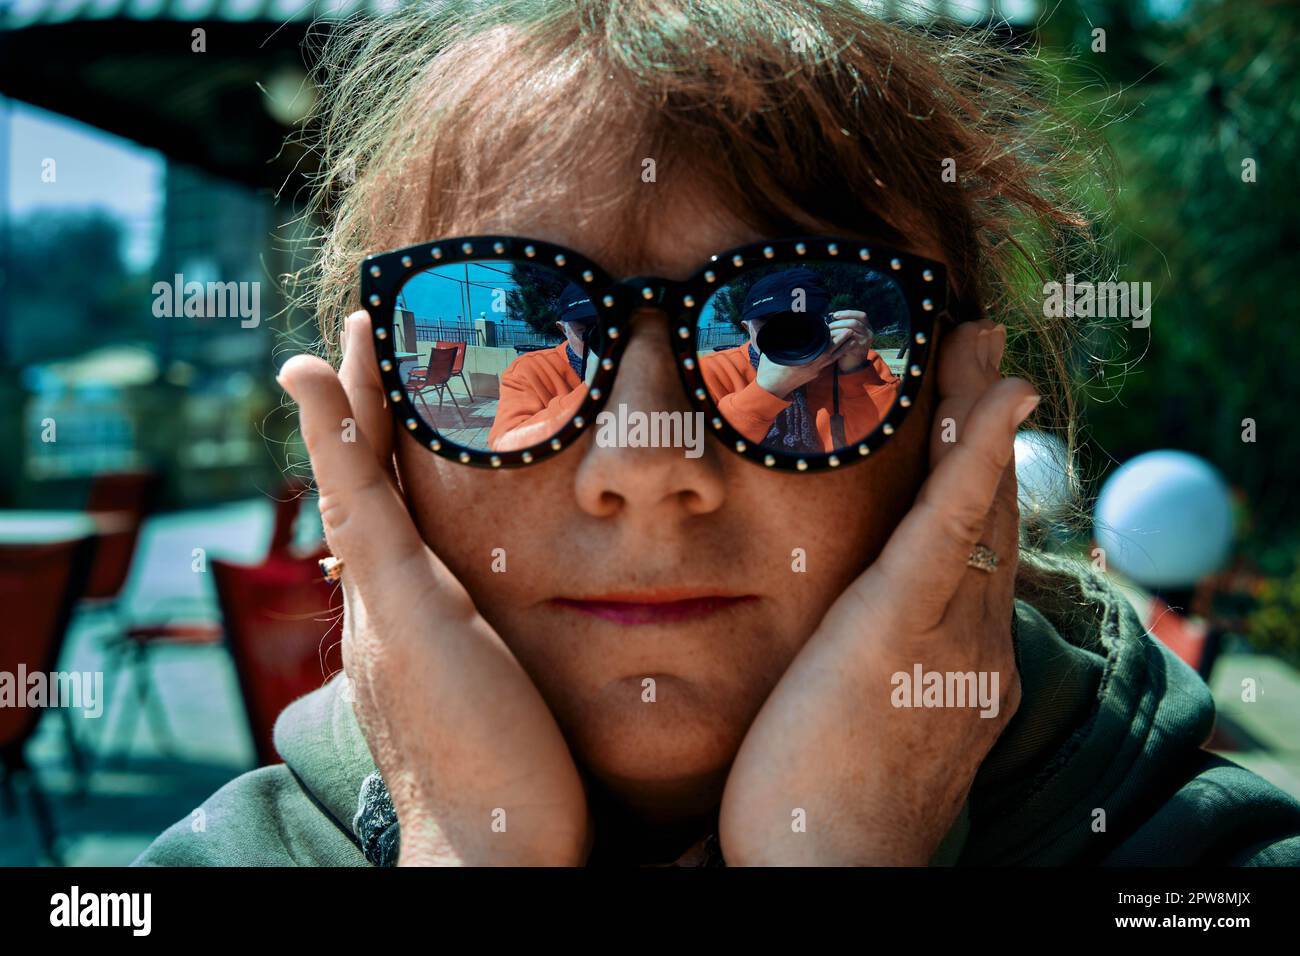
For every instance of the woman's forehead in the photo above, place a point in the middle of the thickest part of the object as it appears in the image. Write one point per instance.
(671, 237)
(669, 231)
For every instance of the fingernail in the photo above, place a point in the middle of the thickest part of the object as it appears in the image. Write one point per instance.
(982, 347)
(280, 380)
(998, 346)
(1026, 408)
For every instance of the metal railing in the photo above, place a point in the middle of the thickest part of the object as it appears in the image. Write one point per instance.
(720, 337)
(448, 332)
(498, 335)
(512, 336)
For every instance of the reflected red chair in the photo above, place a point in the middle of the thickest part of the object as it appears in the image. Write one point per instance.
(281, 623)
(39, 587)
(435, 376)
(458, 366)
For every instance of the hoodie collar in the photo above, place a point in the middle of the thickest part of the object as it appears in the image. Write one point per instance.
(321, 742)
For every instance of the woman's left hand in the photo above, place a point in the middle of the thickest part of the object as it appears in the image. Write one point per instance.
(836, 769)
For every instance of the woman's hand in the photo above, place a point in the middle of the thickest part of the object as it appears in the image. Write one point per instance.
(833, 770)
(477, 768)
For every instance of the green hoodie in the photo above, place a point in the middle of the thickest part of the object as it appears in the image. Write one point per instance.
(1102, 764)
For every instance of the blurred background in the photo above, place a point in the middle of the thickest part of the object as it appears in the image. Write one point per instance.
(150, 529)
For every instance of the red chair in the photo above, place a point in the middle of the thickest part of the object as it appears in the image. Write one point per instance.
(137, 643)
(135, 491)
(281, 621)
(288, 506)
(458, 366)
(1185, 636)
(435, 376)
(39, 587)
(125, 499)
(122, 501)
(132, 653)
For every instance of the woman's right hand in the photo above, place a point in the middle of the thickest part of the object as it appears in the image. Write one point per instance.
(476, 765)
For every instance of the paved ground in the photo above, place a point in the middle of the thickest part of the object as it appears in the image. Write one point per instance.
(139, 789)
(1265, 731)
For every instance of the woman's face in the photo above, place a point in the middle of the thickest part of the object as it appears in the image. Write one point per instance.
(748, 559)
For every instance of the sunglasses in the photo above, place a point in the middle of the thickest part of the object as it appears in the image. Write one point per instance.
(799, 354)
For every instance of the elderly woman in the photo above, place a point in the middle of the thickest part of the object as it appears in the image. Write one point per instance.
(579, 653)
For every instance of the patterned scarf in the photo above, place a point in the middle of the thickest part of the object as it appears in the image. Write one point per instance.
(575, 361)
(795, 429)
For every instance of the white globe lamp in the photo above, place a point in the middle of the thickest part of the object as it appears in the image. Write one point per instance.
(1164, 520)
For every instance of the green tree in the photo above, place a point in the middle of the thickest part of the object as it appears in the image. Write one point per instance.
(535, 299)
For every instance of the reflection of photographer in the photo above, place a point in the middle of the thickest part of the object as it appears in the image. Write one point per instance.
(542, 390)
(794, 348)
(808, 379)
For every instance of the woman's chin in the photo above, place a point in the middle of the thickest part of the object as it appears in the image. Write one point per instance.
(657, 733)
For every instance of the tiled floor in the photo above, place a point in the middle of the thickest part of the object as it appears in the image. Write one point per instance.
(467, 425)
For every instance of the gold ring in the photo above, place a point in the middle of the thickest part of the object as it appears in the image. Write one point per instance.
(984, 558)
(331, 568)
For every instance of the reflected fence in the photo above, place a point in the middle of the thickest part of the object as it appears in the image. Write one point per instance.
(485, 334)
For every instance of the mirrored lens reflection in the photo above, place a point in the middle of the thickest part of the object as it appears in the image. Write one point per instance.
(807, 358)
(494, 355)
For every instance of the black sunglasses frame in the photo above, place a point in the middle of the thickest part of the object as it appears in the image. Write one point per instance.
(924, 284)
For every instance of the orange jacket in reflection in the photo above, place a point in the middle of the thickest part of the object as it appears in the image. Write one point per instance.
(865, 396)
(539, 393)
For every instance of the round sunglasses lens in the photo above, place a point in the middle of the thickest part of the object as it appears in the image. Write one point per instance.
(492, 355)
(805, 359)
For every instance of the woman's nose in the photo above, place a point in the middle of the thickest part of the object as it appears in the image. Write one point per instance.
(648, 456)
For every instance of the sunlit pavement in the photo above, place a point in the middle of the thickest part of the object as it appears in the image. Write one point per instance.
(136, 791)
(1265, 730)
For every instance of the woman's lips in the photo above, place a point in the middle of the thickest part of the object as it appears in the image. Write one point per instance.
(652, 607)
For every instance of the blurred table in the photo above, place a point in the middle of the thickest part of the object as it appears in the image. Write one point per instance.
(44, 527)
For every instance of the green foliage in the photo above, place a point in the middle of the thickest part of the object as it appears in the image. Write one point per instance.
(1205, 103)
(1222, 253)
(1272, 624)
